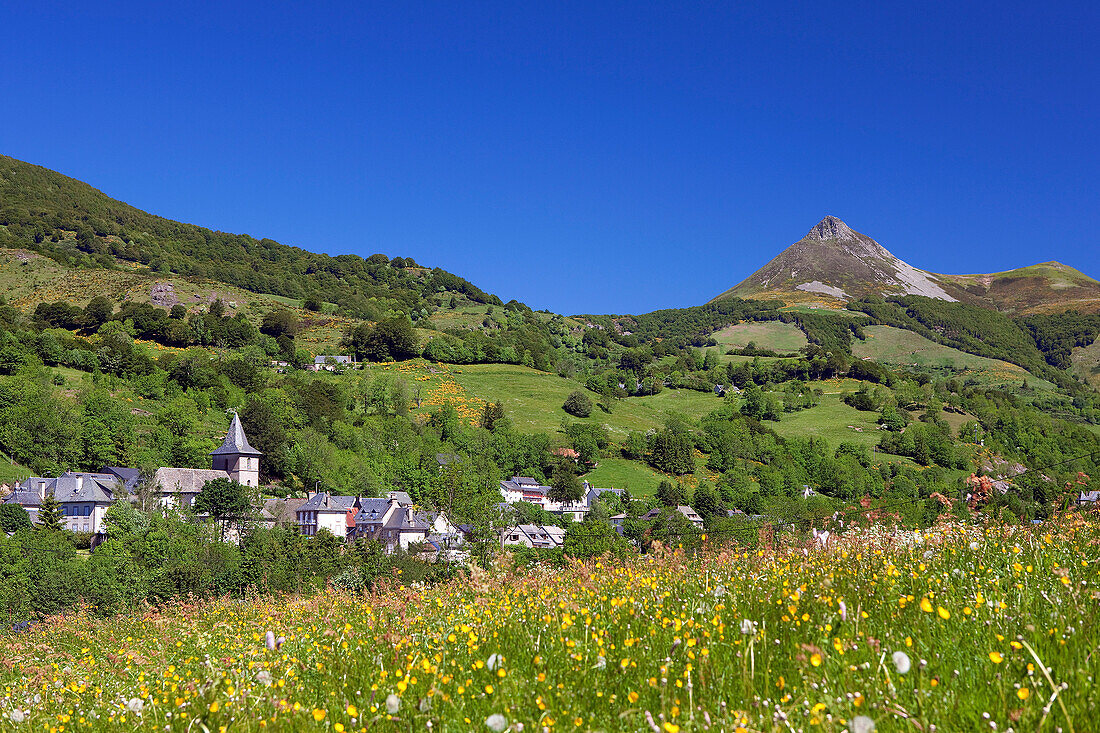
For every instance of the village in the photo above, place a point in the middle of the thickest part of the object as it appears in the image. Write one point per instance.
(395, 521)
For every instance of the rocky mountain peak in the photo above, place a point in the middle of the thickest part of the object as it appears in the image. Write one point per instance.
(831, 228)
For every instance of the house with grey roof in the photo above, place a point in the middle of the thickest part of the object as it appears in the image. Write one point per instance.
(328, 511)
(523, 488)
(330, 362)
(84, 498)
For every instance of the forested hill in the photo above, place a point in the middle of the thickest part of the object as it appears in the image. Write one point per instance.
(76, 224)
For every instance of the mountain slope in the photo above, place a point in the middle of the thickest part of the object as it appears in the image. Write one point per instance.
(834, 260)
(835, 263)
(76, 224)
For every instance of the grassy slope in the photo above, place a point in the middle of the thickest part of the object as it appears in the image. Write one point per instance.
(1086, 363)
(897, 347)
(775, 335)
(533, 400)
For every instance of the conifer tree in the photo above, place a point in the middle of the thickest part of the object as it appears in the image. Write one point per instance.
(49, 514)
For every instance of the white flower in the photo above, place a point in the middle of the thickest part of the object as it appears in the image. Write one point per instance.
(496, 722)
(843, 610)
(279, 642)
(862, 724)
(17, 716)
(136, 705)
(393, 704)
(492, 661)
(974, 545)
(748, 627)
(601, 662)
(270, 641)
(264, 677)
(901, 662)
(719, 591)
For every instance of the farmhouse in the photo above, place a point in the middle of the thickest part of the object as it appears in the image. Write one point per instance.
(524, 488)
(688, 513)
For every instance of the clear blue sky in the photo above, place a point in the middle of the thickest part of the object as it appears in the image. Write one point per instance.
(578, 156)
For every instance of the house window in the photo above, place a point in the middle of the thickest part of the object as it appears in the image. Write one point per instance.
(85, 528)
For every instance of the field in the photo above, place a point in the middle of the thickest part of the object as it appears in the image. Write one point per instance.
(775, 335)
(533, 400)
(900, 348)
(958, 625)
(1086, 363)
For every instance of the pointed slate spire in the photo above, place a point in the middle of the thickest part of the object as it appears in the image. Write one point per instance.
(236, 443)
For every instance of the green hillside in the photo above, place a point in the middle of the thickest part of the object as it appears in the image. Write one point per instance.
(74, 223)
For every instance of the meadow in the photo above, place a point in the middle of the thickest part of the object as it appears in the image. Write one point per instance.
(896, 347)
(959, 627)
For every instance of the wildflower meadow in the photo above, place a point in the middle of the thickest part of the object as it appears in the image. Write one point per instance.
(954, 628)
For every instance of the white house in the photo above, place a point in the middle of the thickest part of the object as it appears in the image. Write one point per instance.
(84, 498)
(524, 488)
(326, 511)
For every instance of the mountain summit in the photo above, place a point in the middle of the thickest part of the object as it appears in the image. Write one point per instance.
(835, 260)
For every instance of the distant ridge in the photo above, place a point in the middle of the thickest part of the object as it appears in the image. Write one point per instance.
(833, 262)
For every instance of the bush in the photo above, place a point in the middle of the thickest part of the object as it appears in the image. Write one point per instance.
(578, 404)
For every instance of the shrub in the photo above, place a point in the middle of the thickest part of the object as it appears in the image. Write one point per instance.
(578, 404)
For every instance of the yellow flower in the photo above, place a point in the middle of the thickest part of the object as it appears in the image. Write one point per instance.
(671, 728)
(353, 711)
(926, 605)
(996, 657)
(815, 659)
(632, 697)
(318, 715)
(1023, 693)
(214, 706)
(943, 612)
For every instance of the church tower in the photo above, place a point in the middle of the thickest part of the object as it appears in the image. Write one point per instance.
(236, 457)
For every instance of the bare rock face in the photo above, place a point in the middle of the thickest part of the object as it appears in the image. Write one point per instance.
(831, 228)
(164, 295)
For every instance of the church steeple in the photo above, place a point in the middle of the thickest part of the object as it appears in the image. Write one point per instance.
(236, 457)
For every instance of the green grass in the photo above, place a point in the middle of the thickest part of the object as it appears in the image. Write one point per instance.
(900, 348)
(974, 621)
(533, 400)
(1086, 363)
(774, 335)
(619, 473)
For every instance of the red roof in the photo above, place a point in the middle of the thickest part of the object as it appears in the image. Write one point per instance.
(349, 519)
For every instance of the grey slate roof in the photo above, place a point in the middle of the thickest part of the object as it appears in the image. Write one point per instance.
(185, 480)
(371, 511)
(235, 441)
(67, 488)
(406, 520)
(283, 511)
(402, 497)
(322, 501)
(128, 476)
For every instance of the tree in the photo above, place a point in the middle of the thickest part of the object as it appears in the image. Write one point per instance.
(593, 538)
(98, 311)
(222, 499)
(13, 518)
(312, 303)
(49, 513)
(578, 404)
(492, 414)
(670, 494)
(564, 484)
(280, 322)
(217, 308)
(705, 501)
